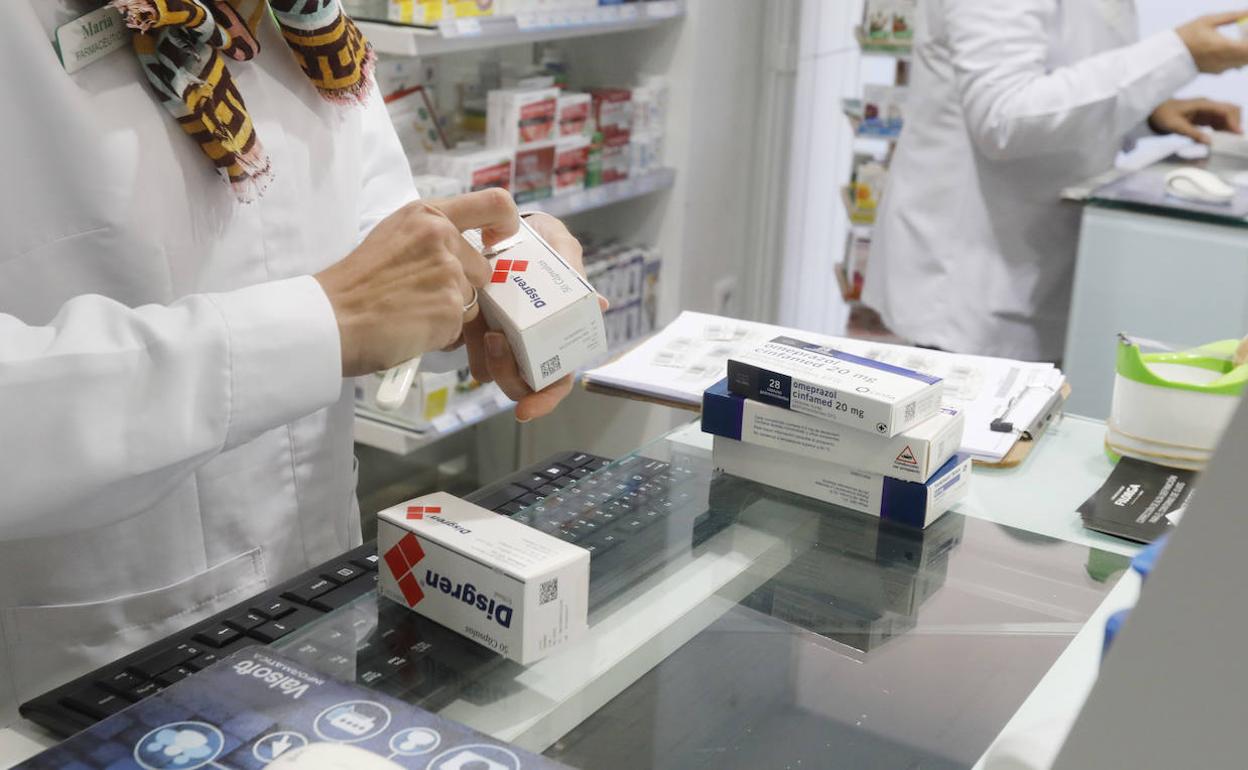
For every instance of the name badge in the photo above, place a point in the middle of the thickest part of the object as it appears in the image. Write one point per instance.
(90, 38)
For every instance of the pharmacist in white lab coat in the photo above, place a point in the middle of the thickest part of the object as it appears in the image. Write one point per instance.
(1011, 102)
(175, 428)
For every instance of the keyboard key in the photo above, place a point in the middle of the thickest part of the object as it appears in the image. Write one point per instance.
(154, 665)
(174, 675)
(343, 573)
(523, 518)
(601, 515)
(579, 473)
(584, 527)
(275, 609)
(566, 535)
(95, 702)
(532, 482)
(344, 595)
(204, 661)
(218, 637)
(245, 621)
(501, 496)
(305, 593)
(276, 629)
(367, 562)
(633, 524)
(120, 683)
(555, 471)
(563, 482)
(577, 460)
(511, 509)
(143, 690)
(546, 490)
(529, 499)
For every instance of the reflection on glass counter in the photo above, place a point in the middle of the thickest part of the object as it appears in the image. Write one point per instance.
(735, 625)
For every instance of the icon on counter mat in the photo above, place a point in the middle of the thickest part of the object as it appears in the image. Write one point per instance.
(181, 745)
(476, 756)
(274, 745)
(352, 721)
(415, 741)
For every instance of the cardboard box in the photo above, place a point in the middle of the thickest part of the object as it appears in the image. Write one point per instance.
(549, 313)
(571, 164)
(822, 382)
(616, 158)
(516, 590)
(476, 168)
(613, 110)
(910, 503)
(572, 114)
(913, 455)
(534, 174)
(518, 117)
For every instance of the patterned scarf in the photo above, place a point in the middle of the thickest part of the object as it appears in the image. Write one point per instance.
(182, 45)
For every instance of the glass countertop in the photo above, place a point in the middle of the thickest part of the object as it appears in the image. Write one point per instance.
(761, 629)
(1145, 190)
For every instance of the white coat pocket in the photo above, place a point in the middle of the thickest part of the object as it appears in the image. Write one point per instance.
(51, 644)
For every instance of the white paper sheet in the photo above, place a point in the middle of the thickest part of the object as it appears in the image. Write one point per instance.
(692, 353)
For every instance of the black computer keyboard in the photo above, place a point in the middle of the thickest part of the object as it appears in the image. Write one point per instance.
(610, 510)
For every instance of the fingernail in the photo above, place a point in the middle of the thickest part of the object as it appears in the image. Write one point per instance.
(494, 345)
(524, 420)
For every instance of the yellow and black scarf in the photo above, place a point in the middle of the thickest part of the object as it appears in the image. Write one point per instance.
(182, 45)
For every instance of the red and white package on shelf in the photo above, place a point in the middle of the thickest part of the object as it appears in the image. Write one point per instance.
(516, 117)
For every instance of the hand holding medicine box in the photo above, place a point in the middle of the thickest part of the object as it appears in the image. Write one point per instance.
(516, 590)
(549, 313)
(826, 383)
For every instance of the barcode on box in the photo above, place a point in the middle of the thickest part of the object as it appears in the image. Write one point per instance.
(909, 412)
(548, 592)
(551, 366)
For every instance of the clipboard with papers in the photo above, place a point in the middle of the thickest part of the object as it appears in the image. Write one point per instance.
(673, 367)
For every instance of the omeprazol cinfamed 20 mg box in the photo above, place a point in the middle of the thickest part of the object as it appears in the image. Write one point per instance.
(824, 382)
(911, 503)
(549, 313)
(518, 591)
(910, 456)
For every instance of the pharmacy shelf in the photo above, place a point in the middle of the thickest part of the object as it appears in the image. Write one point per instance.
(454, 35)
(606, 195)
(898, 50)
(398, 436)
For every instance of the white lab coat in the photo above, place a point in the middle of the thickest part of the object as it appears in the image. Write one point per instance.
(1010, 103)
(175, 433)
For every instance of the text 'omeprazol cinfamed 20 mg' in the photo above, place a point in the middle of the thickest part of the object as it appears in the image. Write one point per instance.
(827, 383)
(518, 591)
(549, 313)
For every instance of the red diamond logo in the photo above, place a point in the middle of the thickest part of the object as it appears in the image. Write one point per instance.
(402, 559)
(417, 512)
(505, 267)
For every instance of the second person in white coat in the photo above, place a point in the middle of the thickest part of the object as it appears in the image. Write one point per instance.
(1010, 103)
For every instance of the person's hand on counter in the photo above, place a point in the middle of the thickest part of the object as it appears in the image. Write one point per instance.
(1186, 117)
(1214, 52)
(489, 353)
(404, 290)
